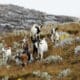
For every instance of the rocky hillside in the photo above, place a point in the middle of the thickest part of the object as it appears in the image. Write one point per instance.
(12, 16)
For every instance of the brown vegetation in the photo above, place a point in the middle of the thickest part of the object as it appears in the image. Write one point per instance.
(69, 59)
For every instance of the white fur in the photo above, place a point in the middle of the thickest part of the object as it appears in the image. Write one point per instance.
(42, 47)
(58, 36)
(54, 35)
(34, 30)
(6, 54)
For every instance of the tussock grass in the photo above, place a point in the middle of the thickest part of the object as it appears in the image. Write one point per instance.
(69, 59)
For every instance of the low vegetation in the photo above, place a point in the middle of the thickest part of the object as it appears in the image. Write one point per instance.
(69, 59)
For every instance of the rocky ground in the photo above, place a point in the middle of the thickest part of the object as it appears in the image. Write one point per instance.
(15, 17)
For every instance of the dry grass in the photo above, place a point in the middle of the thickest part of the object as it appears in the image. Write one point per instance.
(70, 61)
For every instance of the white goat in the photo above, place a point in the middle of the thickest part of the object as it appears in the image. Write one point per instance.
(54, 35)
(6, 54)
(42, 47)
(35, 30)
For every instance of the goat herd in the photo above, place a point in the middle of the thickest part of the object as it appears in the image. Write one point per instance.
(39, 45)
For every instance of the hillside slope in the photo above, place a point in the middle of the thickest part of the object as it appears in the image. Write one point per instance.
(19, 17)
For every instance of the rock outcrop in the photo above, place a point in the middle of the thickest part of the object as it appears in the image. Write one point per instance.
(15, 17)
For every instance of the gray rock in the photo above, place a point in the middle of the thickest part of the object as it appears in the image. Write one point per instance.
(77, 50)
(43, 75)
(64, 73)
(15, 17)
(77, 39)
(53, 59)
(64, 42)
(36, 73)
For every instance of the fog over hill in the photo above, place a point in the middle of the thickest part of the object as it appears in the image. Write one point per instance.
(12, 16)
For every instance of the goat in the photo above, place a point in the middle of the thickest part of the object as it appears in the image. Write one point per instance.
(42, 47)
(35, 30)
(25, 55)
(54, 35)
(57, 36)
(24, 59)
(21, 59)
(6, 54)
